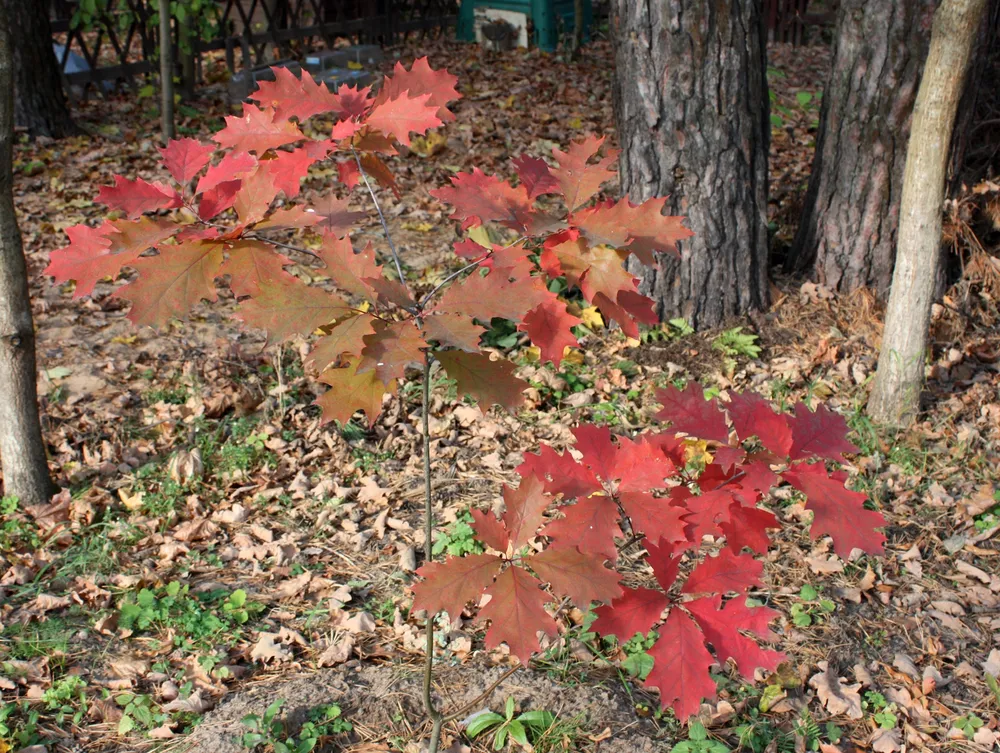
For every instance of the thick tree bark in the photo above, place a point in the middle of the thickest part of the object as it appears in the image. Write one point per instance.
(847, 235)
(691, 108)
(22, 449)
(39, 98)
(900, 376)
(166, 73)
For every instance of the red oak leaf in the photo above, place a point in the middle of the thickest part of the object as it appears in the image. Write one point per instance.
(484, 297)
(517, 613)
(600, 451)
(747, 527)
(665, 559)
(346, 337)
(232, 166)
(353, 101)
(403, 115)
(287, 169)
(479, 198)
(250, 265)
(286, 306)
(721, 627)
(535, 176)
(337, 218)
(578, 180)
(217, 200)
(134, 197)
(688, 411)
(349, 173)
(549, 326)
(257, 131)
(821, 434)
(723, 573)
(254, 198)
(655, 517)
(629, 315)
(757, 475)
(837, 511)
(350, 392)
(96, 253)
(456, 330)
(185, 158)
(390, 291)
(390, 349)
(348, 269)
(590, 525)
(635, 612)
(449, 586)
(290, 217)
(560, 473)
(581, 577)
(680, 666)
(172, 282)
(641, 465)
(294, 97)
(752, 415)
(524, 510)
(380, 171)
(604, 272)
(422, 79)
(709, 509)
(490, 530)
(639, 229)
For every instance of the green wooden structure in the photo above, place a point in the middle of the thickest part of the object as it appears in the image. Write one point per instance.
(548, 19)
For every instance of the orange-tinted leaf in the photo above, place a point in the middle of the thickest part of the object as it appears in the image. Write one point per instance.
(286, 306)
(347, 269)
(350, 392)
(287, 169)
(652, 231)
(605, 273)
(517, 613)
(484, 297)
(837, 511)
(549, 326)
(134, 197)
(680, 666)
(353, 101)
(377, 169)
(390, 349)
(337, 218)
(293, 97)
(254, 198)
(490, 530)
(403, 115)
(489, 382)
(250, 264)
(456, 330)
(172, 282)
(185, 158)
(390, 291)
(524, 510)
(257, 131)
(479, 198)
(577, 179)
(289, 217)
(346, 337)
(449, 586)
(581, 577)
(422, 79)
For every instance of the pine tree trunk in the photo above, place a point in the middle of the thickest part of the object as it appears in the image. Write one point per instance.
(40, 103)
(895, 396)
(847, 235)
(166, 73)
(22, 449)
(691, 108)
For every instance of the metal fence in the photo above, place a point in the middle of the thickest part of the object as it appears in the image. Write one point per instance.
(121, 42)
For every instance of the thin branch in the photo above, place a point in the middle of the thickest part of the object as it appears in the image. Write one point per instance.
(282, 244)
(385, 225)
(452, 276)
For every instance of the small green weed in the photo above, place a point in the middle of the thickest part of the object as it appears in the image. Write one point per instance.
(638, 662)
(18, 725)
(139, 712)
(269, 732)
(458, 539)
(523, 729)
(733, 343)
(811, 608)
(968, 724)
(17, 531)
(674, 329)
(699, 742)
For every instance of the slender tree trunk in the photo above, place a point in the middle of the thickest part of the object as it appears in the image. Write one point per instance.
(895, 397)
(40, 101)
(166, 73)
(847, 235)
(22, 449)
(691, 106)
(186, 40)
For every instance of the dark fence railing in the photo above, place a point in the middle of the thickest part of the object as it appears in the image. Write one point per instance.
(121, 42)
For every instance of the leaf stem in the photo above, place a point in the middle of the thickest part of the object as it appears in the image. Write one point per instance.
(452, 276)
(432, 711)
(385, 225)
(282, 244)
